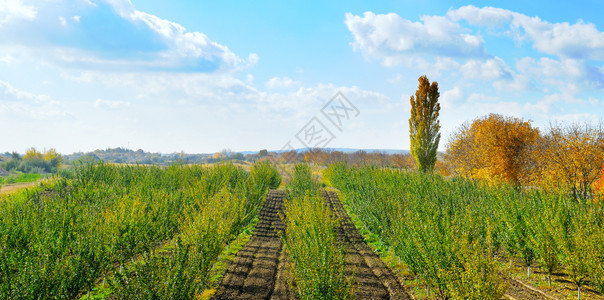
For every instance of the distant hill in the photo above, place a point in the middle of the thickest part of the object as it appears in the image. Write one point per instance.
(344, 150)
(128, 156)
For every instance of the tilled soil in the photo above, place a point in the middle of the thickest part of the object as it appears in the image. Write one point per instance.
(256, 271)
(374, 280)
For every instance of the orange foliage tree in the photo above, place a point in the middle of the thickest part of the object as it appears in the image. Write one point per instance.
(491, 148)
(599, 183)
(570, 157)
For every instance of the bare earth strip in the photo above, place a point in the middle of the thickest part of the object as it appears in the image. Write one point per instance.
(14, 187)
(520, 291)
(257, 270)
(374, 280)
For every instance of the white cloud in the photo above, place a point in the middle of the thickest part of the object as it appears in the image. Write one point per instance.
(515, 83)
(16, 103)
(11, 10)
(7, 59)
(486, 16)
(563, 71)
(490, 69)
(249, 78)
(129, 40)
(281, 82)
(184, 44)
(435, 67)
(10, 93)
(394, 39)
(498, 72)
(124, 8)
(253, 58)
(579, 41)
(449, 98)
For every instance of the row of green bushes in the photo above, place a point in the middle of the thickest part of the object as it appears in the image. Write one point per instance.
(455, 234)
(317, 257)
(101, 220)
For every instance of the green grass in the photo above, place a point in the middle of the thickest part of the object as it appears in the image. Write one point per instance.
(22, 178)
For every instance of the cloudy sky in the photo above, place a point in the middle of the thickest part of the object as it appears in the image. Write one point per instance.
(201, 76)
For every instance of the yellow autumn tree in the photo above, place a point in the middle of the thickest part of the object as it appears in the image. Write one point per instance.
(33, 154)
(53, 158)
(570, 157)
(424, 126)
(491, 148)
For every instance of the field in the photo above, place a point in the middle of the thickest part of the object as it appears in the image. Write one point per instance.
(224, 232)
(464, 240)
(145, 230)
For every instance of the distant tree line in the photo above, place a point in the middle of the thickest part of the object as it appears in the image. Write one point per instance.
(33, 161)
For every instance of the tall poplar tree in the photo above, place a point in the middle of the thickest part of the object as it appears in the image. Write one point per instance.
(424, 126)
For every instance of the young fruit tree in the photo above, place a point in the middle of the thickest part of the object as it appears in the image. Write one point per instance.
(424, 126)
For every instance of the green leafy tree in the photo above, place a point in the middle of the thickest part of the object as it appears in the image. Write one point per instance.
(424, 126)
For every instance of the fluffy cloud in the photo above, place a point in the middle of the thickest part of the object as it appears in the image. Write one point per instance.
(439, 44)
(486, 16)
(394, 39)
(449, 98)
(11, 10)
(112, 34)
(515, 83)
(489, 69)
(578, 41)
(16, 103)
(498, 72)
(563, 71)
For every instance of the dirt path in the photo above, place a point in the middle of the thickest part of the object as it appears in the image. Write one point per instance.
(374, 280)
(14, 187)
(520, 291)
(257, 270)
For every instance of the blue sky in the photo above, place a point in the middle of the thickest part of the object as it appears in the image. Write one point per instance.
(202, 76)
